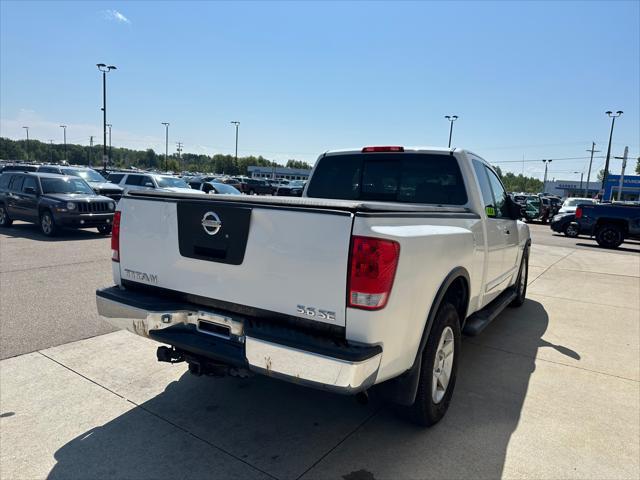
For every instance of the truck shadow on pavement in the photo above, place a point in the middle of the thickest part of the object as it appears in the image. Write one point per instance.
(32, 232)
(203, 427)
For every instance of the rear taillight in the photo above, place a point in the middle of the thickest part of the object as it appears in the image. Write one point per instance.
(578, 212)
(115, 237)
(372, 268)
(382, 149)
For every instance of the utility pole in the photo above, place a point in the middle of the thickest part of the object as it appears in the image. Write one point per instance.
(451, 118)
(624, 165)
(237, 124)
(27, 129)
(179, 146)
(166, 144)
(613, 117)
(90, 149)
(64, 127)
(592, 150)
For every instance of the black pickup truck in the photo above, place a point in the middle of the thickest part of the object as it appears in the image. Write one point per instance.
(53, 202)
(610, 223)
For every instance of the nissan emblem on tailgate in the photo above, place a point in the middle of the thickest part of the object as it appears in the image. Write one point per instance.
(211, 223)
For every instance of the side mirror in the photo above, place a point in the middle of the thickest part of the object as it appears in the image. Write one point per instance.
(30, 191)
(514, 209)
(148, 184)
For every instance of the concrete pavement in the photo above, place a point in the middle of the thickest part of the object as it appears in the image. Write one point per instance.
(550, 390)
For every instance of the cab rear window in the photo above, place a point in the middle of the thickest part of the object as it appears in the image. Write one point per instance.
(389, 177)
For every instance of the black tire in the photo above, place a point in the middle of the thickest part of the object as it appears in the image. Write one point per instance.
(48, 224)
(251, 192)
(521, 282)
(609, 236)
(425, 411)
(571, 231)
(104, 229)
(5, 221)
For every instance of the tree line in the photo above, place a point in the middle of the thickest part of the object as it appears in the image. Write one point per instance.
(519, 183)
(36, 151)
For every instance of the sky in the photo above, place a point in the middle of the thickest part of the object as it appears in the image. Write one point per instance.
(528, 80)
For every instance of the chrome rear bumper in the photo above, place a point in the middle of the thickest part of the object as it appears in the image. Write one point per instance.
(340, 373)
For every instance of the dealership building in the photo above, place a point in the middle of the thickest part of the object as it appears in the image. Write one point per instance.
(574, 188)
(279, 172)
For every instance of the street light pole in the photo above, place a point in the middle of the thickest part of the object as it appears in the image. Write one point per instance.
(51, 151)
(544, 184)
(109, 126)
(27, 129)
(613, 117)
(104, 69)
(64, 127)
(166, 145)
(581, 175)
(592, 150)
(237, 124)
(451, 118)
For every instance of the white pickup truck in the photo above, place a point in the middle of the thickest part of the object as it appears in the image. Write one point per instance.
(368, 279)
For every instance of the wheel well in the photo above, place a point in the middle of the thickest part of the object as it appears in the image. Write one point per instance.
(41, 210)
(458, 295)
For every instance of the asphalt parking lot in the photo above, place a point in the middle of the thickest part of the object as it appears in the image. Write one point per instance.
(551, 390)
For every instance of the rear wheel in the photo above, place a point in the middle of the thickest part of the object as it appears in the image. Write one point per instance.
(609, 236)
(571, 230)
(5, 221)
(438, 369)
(104, 229)
(47, 224)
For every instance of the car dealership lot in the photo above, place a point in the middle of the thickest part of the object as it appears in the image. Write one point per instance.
(550, 390)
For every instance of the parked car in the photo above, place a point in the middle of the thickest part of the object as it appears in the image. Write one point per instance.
(215, 188)
(565, 223)
(53, 201)
(369, 280)
(254, 186)
(151, 181)
(232, 182)
(610, 223)
(96, 181)
(538, 208)
(570, 204)
(293, 189)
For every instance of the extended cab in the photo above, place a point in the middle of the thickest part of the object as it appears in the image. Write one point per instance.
(369, 279)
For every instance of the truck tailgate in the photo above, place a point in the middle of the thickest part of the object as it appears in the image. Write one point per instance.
(282, 258)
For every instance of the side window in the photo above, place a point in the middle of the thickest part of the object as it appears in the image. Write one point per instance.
(146, 182)
(499, 194)
(133, 180)
(115, 177)
(4, 180)
(29, 182)
(16, 183)
(485, 188)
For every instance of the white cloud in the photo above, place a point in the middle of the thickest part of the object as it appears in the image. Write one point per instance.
(116, 16)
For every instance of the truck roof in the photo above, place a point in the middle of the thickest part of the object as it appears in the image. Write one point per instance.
(406, 149)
